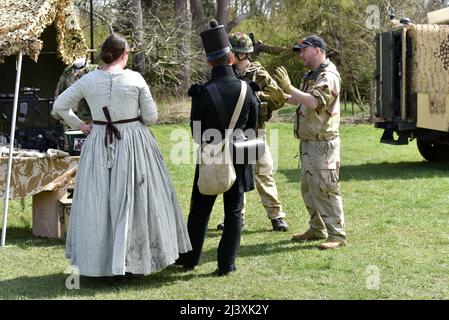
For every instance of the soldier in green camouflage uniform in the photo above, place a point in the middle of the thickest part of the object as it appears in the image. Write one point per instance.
(69, 75)
(263, 170)
(73, 72)
(317, 124)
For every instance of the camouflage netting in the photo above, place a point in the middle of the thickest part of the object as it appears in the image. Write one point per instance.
(23, 21)
(430, 63)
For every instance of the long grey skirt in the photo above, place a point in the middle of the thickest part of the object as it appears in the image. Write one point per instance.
(125, 215)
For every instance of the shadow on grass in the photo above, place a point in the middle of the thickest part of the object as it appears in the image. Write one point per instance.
(214, 233)
(262, 249)
(53, 286)
(23, 237)
(385, 170)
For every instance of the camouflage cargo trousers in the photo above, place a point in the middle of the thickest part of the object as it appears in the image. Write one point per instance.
(266, 186)
(320, 191)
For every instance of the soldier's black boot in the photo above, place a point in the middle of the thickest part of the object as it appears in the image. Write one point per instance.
(220, 226)
(183, 264)
(279, 224)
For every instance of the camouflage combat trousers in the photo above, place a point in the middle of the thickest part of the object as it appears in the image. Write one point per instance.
(266, 186)
(320, 191)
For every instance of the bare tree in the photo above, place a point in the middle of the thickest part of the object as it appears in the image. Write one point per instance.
(243, 10)
(222, 15)
(184, 25)
(198, 18)
(137, 36)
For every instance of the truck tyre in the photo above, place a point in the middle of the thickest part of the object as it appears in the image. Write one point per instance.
(433, 152)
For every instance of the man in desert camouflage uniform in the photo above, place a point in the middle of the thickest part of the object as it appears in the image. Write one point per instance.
(317, 124)
(245, 69)
(73, 72)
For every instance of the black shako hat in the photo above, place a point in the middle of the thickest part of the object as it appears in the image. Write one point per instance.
(312, 40)
(215, 41)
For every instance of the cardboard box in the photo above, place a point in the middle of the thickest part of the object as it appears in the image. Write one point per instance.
(65, 205)
(46, 214)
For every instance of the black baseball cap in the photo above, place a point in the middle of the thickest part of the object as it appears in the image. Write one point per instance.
(312, 40)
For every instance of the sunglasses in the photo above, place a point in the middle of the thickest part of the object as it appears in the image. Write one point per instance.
(305, 43)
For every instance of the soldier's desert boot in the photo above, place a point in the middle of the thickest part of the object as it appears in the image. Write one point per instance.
(309, 235)
(333, 244)
(279, 224)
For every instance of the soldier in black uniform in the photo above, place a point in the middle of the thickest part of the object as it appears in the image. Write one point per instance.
(204, 116)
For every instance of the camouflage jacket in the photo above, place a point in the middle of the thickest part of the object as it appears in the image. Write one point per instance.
(67, 78)
(322, 123)
(256, 72)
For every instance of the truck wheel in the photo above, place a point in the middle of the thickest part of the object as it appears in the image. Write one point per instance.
(433, 152)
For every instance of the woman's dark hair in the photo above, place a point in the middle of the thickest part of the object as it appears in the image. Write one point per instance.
(113, 47)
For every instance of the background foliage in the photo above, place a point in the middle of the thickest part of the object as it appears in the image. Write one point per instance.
(174, 55)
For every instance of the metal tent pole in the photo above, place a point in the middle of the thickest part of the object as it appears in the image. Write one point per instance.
(11, 146)
(91, 18)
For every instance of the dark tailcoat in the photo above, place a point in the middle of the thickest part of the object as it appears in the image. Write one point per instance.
(204, 113)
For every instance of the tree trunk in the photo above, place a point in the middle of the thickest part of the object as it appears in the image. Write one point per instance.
(223, 12)
(137, 36)
(372, 101)
(359, 98)
(223, 15)
(198, 19)
(184, 25)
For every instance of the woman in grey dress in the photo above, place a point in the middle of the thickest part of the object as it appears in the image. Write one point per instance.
(125, 215)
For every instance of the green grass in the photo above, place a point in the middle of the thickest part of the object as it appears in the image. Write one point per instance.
(396, 219)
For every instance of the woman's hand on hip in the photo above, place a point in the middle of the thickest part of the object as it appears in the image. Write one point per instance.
(85, 128)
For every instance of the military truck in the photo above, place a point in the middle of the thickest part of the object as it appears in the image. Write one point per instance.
(412, 85)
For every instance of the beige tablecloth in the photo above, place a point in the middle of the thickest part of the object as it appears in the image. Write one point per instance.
(29, 175)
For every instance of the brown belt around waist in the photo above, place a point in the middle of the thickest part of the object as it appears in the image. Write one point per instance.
(112, 130)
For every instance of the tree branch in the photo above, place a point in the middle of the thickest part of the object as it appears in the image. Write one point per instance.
(235, 22)
(99, 16)
(260, 47)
